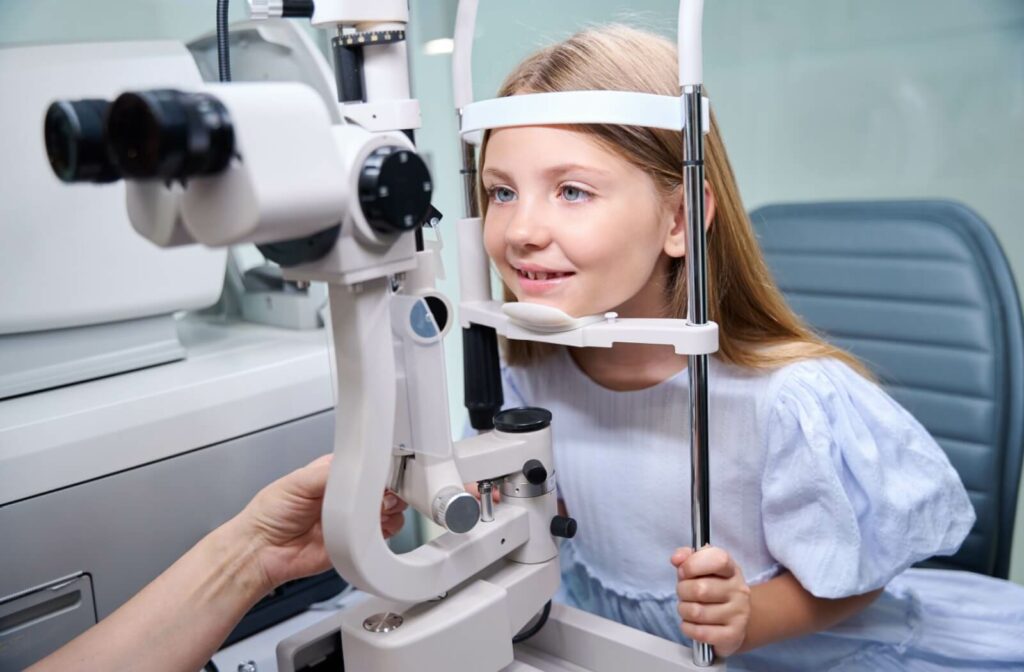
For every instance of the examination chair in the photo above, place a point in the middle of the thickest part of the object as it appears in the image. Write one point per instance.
(922, 292)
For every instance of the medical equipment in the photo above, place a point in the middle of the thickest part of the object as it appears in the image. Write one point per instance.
(337, 194)
(106, 481)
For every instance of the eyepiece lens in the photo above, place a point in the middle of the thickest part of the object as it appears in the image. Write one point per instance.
(76, 141)
(170, 135)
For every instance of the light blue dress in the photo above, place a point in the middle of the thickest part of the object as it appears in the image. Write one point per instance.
(814, 470)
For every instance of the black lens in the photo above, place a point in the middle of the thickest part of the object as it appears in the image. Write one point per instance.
(170, 135)
(76, 141)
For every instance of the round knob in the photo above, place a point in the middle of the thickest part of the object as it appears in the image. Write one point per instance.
(394, 190)
(563, 526)
(519, 420)
(535, 472)
(456, 510)
(383, 622)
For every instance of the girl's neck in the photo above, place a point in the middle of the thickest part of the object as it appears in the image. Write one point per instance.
(628, 366)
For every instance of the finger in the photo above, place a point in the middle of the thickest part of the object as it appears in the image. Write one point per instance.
(681, 555)
(706, 614)
(721, 636)
(392, 525)
(474, 489)
(709, 561)
(309, 481)
(323, 460)
(706, 590)
(392, 503)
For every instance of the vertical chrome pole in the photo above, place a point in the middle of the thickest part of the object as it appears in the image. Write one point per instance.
(697, 313)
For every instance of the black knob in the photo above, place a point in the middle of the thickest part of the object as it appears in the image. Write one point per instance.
(535, 472)
(394, 190)
(525, 419)
(563, 526)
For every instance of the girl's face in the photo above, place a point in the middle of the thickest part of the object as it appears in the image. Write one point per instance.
(573, 225)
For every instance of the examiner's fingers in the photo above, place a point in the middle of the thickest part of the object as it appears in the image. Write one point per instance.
(392, 503)
(392, 525)
(308, 482)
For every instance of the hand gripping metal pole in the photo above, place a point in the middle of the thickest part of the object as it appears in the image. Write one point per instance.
(697, 313)
(691, 78)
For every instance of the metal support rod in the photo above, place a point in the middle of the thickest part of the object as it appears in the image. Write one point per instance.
(697, 313)
(486, 501)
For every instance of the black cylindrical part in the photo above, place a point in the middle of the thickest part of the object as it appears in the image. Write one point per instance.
(169, 134)
(481, 375)
(76, 141)
(348, 72)
(564, 527)
(395, 190)
(297, 9)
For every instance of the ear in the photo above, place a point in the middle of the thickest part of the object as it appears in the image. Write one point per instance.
(675, 242)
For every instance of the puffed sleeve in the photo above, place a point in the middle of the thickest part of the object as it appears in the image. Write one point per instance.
(854, 489)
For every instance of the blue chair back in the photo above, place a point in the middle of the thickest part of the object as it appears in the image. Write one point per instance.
(922, 293)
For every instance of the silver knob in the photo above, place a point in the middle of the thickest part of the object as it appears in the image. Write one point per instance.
(265, 9)
(456, 509)
(383, 622)
(486, 501)
(249, 666)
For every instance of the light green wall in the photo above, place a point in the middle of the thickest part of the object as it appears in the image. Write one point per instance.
(846, 99)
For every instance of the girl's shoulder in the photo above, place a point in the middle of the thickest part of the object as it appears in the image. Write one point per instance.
(839, 449)
(829, 387)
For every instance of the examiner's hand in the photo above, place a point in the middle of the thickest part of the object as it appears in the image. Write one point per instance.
(283, 521)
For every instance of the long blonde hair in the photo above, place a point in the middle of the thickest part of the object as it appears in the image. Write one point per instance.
(757, 328)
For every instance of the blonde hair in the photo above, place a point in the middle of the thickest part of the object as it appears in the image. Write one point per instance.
(757, 328)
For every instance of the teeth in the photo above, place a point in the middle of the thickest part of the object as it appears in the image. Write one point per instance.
(540, 275)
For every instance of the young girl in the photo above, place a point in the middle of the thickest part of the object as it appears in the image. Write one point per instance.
(824, 490)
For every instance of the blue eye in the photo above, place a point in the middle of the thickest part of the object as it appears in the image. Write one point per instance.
(574, 194)
(503, 194)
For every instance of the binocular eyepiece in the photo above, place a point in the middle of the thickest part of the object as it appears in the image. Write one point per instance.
(160, 134)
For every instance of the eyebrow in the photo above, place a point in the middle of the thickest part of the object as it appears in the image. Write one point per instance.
(553, 171)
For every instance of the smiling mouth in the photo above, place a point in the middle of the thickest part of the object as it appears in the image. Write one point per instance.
(542, 275)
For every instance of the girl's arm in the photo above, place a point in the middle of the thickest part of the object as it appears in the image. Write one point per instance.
(781, 608)
(718, 607)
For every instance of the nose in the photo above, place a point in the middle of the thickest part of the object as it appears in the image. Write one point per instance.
(526, 228)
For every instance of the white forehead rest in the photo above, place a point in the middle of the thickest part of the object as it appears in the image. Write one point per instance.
(625, 108)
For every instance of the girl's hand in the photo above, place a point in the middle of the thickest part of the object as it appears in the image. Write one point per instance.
(714, 599)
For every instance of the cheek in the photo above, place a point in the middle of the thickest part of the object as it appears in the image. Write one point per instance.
(620, 246)
(494, 240)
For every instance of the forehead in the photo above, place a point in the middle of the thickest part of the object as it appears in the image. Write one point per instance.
(538, 149)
